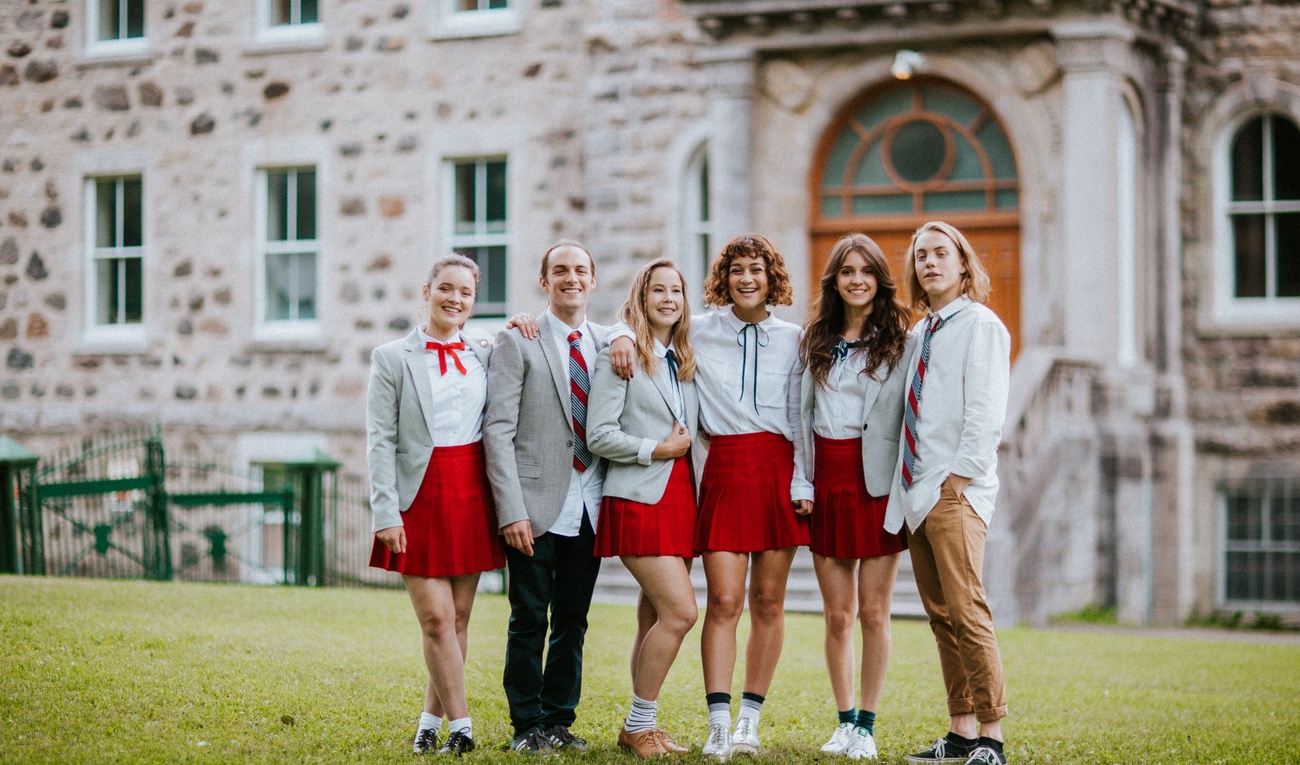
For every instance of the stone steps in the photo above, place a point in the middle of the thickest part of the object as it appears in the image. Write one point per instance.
(616, 585)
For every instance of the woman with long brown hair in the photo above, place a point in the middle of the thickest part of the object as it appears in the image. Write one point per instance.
(852, 411)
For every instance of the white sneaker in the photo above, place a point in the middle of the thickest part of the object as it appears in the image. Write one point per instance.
(744, 739)
(861, 745)
(718, 744)
(839, 740)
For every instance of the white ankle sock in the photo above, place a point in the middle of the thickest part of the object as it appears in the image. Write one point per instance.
(642, 715)
(720, 717)
(463, 724)
(428, 721)
(751, 709)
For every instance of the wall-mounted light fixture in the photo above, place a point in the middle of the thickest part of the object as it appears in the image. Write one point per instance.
(905, 63)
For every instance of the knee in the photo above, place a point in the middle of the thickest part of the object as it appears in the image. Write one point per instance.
(875, 620)
(438, 624)
(766, 605)
(725, 606)
(838, 621)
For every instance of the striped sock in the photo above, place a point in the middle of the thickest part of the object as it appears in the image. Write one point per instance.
(642, 715)
(719, 708)
(867, 720)
(751, 706)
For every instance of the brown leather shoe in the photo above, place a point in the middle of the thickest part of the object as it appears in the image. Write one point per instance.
(645, 743)
(672, 746)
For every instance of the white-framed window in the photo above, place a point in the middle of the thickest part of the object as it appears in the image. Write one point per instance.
(478, 225)
(288, 23)
(700, 239)
(287, 248)
(115, 26)
(1260, 529)
(115, 267)
(474, 18)
(1258, 201)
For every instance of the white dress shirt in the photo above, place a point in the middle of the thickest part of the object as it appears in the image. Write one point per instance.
(457, 398)
(766, 356)
(837, 405)
(586, 487)
(959, 417)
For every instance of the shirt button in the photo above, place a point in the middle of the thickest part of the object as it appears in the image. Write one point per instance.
(864, 426)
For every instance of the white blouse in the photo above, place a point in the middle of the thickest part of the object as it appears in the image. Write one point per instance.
(458, 399)
(837, 406)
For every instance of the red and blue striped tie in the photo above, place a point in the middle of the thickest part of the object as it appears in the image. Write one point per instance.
(579, 387)
(913, 402)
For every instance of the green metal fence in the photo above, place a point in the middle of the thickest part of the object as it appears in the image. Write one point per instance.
(115, 507)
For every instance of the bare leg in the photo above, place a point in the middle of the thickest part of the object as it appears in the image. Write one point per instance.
(766, 617)
(435, 608)
(835, 578)
(875, 590)
(666, 583)
(725, 573)
(646, 616)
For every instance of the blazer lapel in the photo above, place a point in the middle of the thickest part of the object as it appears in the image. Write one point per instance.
(546, 336)
(664, 386)
(418, 366)
(481, 347)
(869, 398)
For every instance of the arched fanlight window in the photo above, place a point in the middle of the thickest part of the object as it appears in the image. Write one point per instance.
(920, 147)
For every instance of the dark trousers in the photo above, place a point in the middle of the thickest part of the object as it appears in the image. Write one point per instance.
(559, 577)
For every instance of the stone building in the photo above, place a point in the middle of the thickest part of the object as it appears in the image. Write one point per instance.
(210, 212)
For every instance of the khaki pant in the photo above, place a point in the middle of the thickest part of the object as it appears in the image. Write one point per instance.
(947, 557)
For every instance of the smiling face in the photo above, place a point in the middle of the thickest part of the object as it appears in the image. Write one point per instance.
(451, 300)
(856, 283)
(747, 285)
(939, 267)
(568, 281)
(663, 300)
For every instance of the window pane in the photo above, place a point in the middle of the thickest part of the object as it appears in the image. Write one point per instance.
(495, 286)
(967, 166)
(1288, 254)
(939, 201)
(918, 151)
(464, 198)
(871, 171)
(892, 203)
(277, 206)
(1248, 240)
(1245, 576)
(832, 207)
(837, 162)
(277, 287)
(995, 143)
(1008, 199)
(281, 11)
(892, 103)
(1286, 159)
(309, 12)
(305, 264)
(306, 211)
(134, 18)
(952, 104)
(1248, 162)
(106, 213)
(1244, 521)
(109, 18)
(498, 3)
(1286, 577)
(106, 291)
(704, 191)
(132, 213)
(496, 196)
(133, 297)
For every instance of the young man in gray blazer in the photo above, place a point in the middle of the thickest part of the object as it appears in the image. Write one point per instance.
(547, 487)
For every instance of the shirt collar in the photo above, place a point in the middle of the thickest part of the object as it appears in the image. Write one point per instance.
(562, 330)
(952, 308)
(426, 338)
(660, 351)
(737, 324)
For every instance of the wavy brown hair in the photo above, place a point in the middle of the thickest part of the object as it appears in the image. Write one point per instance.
(636, 314)
(884, 329)
(779, 291)
(974, 285)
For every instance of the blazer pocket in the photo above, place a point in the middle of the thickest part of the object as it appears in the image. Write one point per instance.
(528, 470)
(400, 450)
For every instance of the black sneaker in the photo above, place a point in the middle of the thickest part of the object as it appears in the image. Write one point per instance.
(942, 750)
(532, 741)
(458, 743)
(426, 741)
(986, 755)
(562, 738)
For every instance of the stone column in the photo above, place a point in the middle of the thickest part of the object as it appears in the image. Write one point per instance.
(732, 85)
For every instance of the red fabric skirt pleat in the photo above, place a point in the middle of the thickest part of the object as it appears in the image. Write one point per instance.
(451, 527)
(847, 522)
(745, 496)
(664, 528)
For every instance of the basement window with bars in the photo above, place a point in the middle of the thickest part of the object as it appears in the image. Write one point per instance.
(1261, 545)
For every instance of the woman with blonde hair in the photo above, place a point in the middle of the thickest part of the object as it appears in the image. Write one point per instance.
(643, 427)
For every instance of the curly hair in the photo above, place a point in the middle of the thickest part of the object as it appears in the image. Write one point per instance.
(637, 317)
(884, 329)
(779, 292)
(974, 284)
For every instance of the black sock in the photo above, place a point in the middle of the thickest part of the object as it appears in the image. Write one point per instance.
(848, 716)
(718, 700)
(747, 696)
(991, 743)
(967, 743)
(867, 720)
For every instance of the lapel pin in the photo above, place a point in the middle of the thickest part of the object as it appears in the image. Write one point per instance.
(482, 343)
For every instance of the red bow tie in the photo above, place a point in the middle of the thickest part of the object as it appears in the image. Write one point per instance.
(444, 349)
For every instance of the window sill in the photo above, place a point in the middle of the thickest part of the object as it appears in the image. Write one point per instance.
(111, 341)
(306, 337)
(288, 38)
(132, 52)
(1246, 317)
(467, 24)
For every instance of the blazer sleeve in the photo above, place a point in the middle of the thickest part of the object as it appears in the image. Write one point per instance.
(505, 387)
(383, 396)
(800, 486)
(987, 379)
(605, 435)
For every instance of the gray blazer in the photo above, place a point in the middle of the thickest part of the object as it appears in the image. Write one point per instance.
(882, 425)
(622, 414)
(527, 428)
(399, 422)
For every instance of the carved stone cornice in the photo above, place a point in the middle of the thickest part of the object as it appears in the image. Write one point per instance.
(758, 19)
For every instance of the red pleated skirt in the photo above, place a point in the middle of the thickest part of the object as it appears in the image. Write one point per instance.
(847, 522)
(745, 496)
(664, 528)
(451, 527)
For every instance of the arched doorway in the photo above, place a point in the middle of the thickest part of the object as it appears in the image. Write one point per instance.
(907, 152)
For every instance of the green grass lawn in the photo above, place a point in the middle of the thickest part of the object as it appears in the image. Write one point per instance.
(126, 671)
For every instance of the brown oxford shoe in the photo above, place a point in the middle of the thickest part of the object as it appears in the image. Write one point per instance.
(645, 743)
(672, 746)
